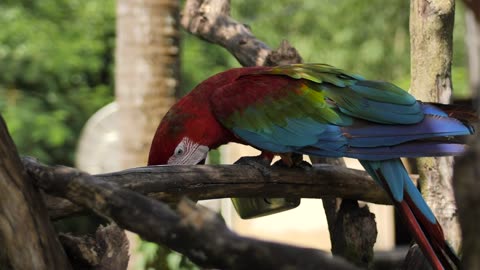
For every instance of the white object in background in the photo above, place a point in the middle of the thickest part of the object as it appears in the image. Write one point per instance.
(97, 150)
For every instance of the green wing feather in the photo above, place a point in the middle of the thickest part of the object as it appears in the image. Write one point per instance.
(297, 105)
(352, 94)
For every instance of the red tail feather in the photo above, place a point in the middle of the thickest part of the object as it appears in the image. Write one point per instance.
(418, 234)
(428, 236)
(434, 234)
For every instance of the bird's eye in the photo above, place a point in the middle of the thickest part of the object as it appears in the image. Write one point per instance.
(179, 150)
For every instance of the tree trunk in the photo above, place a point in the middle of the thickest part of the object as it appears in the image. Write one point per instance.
(147, 71)
(431, 30)
(146, 75)
(27, 238)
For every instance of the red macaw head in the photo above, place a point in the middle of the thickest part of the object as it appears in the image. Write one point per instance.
(189, 130)
(181, 150)
(178, 139)
(186, 134)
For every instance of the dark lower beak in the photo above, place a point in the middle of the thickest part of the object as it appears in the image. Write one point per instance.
(202, 162)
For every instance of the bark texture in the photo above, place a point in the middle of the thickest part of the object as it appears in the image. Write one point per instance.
(27, 238)
(187, 230)
(106, 250)
(146, 72)
(210, 20)
(353, 230)
(354, 233)
(431, 30)
(170, 183)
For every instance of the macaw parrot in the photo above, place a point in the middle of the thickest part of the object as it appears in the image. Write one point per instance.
(320, 110)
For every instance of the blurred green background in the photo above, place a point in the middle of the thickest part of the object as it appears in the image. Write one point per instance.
(57, 59)
(56, 56)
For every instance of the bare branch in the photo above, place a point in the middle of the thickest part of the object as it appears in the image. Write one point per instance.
(170, 183)
(187, 231)
(210, 20)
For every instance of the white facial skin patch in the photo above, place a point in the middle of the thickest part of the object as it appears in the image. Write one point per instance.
(188, 152)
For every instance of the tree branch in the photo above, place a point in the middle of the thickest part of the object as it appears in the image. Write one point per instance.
(186, 231)
(210, 20)
(170, 183)
(27, 238)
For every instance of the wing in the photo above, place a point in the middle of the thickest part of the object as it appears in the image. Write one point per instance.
(320, 110)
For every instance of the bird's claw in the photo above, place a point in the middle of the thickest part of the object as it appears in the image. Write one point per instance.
(297, 164)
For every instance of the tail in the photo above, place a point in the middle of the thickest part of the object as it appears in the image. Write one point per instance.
(462, 112)
(420, 220)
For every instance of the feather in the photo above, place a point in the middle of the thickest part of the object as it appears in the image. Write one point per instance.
(321, 110)
(392, 175)
(366, 134)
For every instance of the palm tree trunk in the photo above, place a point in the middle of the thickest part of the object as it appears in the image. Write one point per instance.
(146, 74)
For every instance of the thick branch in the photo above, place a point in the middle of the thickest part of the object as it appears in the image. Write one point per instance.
(210, 20)
(187, 231)
(169, 183)
(27, 238)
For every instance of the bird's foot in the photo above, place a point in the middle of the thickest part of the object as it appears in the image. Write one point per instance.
(293, 160)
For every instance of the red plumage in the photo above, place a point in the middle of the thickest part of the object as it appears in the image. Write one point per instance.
(192, 117)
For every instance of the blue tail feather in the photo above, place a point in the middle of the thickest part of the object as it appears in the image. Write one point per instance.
(408, 149)
(398, 181)
(367, 134)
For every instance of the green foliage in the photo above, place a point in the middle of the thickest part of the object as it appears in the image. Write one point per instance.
(157, 257)
(57, 56)
(56, 71)
(367, 37)
(201, 60)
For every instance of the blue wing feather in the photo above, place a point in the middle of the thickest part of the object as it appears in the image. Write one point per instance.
(363, 139)
(398, 181)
